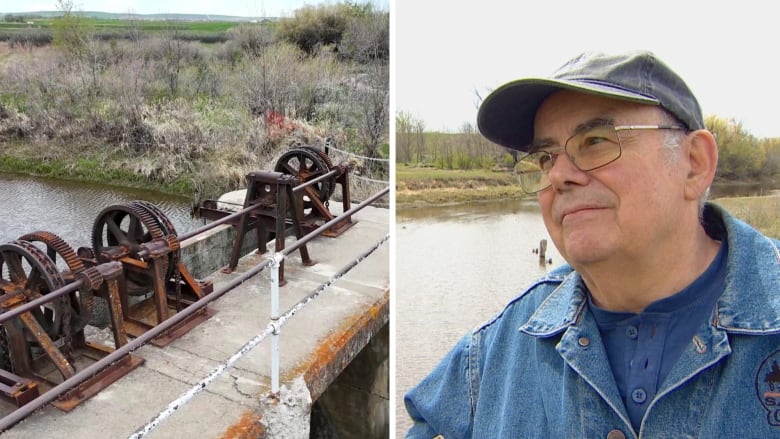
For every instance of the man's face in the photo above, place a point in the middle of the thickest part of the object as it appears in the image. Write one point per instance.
(620, 211)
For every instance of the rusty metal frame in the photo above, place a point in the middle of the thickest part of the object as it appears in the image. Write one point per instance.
(31, 373)
(320, 210)
(272, 194)
(120, 354)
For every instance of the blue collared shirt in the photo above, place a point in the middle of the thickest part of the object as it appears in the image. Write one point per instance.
(540, 369)
(643, 347)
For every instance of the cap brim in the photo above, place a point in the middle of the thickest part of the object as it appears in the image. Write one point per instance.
(506, 116)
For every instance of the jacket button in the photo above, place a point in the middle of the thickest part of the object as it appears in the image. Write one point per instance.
(583, 341)
(616, 434)
(639, 395)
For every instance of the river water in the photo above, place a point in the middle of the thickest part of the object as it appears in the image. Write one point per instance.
(455, 268)
(69, 209)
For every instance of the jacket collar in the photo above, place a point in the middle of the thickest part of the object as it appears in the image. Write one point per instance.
(750, 303)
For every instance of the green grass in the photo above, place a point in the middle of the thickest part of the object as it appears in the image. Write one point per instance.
(117, 28)
(142, 25)
(93, 169)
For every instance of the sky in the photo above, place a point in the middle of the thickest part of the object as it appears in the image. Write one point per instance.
(727, 52)
(241, 8)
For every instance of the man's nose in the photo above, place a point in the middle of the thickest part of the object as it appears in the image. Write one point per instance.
(564, 172)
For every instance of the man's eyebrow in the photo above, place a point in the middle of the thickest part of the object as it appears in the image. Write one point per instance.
(593, 123)
(538, 144)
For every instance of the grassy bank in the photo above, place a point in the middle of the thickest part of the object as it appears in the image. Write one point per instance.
(417, 186)
(93, 164)
(151, 107)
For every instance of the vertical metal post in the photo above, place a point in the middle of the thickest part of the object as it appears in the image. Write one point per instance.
(276, 264)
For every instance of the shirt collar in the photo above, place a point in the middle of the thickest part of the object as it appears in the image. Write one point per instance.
(750, 302)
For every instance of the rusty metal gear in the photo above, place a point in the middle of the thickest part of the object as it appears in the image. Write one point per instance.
(91, 278)
(124, 225)
(308, 163)
(168, 230)
(163, 222)
(121, 229)
(26, 269)
(56, 246)
(325, 158)
(57, 249)
(323, 155)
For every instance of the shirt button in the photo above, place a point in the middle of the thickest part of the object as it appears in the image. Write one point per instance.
(616, 434)
(632, 332)
(639, 395)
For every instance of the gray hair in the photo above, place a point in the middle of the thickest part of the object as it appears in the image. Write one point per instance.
(671, 142)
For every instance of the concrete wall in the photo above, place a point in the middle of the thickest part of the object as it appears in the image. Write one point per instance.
(357, 403)
(209, 252)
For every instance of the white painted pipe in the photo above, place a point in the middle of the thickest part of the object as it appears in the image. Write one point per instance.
(276, 263)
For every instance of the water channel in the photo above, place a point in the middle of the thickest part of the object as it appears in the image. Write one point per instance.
(458, 266)
(69, 209)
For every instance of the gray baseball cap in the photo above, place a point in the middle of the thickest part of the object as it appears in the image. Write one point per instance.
(506, 116)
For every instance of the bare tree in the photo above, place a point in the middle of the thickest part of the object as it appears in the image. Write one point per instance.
(404, 133)
(419, 130)
(373, 100)
(74, 35)
(173, 56)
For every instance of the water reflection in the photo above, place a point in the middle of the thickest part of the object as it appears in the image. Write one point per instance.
(455, 268)
(69, 208)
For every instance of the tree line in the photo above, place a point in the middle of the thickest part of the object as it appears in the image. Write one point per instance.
(742, 156)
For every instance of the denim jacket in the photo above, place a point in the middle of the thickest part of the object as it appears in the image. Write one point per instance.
(539, 369)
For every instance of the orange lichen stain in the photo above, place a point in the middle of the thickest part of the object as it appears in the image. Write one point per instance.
(248, 427)
(330, 349)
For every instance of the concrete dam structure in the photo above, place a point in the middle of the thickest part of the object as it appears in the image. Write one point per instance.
(207, 334)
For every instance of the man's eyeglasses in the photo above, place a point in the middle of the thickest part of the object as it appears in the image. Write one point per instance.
(590, 149)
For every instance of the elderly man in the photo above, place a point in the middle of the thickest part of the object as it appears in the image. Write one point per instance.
(666, 320)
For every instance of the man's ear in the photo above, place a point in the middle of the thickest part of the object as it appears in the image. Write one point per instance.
(703, 162)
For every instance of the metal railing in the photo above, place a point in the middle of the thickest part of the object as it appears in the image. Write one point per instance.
(273, 328)
(277, 321)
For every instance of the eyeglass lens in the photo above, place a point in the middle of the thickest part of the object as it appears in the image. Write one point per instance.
(595, 147)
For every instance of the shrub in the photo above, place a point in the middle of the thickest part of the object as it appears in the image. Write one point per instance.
(366, 38)
(315, 26)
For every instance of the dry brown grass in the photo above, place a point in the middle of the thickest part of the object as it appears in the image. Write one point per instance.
(763, 212)
(124, 118)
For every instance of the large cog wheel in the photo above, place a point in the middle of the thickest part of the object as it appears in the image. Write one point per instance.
(127, 226)
(307, 163)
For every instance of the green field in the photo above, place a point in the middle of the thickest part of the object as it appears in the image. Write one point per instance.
(124, 25)
(194, 27)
